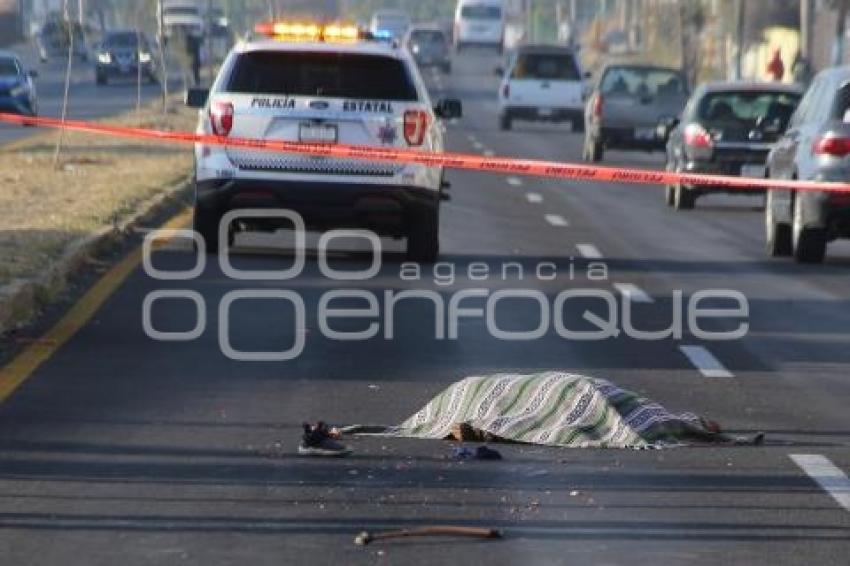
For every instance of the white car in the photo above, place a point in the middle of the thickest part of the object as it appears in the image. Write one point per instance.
(479, 23)
(389, 24)
(542, 83)
(317, 90)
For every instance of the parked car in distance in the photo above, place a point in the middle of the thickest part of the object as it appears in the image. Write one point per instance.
(429, 46)
(727, 128)
(17, 87)
(479, 23)
(53, 40)
(626, 106)
(815, 147)
(542, 83)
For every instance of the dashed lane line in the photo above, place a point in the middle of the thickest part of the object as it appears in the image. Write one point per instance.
(827, 475)
(589, 251)
(534, 198)
(634, 293)
(514, 181)
(705, 362)
(556, 220)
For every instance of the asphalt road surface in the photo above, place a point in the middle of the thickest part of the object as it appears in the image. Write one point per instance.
(86, 101)
(122, 449)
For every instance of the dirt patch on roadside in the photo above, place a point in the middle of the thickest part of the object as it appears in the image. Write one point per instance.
(99, 182)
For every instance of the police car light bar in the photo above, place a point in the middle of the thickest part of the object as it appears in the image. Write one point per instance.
(290, 31)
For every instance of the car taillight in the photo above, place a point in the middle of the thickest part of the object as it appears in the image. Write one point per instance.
(221, 118)
(697, 136)
(830, 145)
(597, 106)
(506, 91)
(416, 124)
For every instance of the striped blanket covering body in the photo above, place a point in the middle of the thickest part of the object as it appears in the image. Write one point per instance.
(554, 409)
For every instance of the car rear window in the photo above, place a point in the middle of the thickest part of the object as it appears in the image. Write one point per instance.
(334, 75)
(642, 82)
(428, 36)
(481, 12)
(546, 66)
(746, 107)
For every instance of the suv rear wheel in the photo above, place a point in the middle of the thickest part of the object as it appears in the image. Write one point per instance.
(683, 199)
(809, 243)
(505, 122)
(206, 223)
(423, 236)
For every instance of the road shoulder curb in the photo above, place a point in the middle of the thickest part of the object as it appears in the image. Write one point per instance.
(22, 299)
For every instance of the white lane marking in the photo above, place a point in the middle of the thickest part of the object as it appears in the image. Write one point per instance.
(556, 220)
(489, 153)
(705, 362)
(478, 145)
(514, 181)
(634, 293)
(534, 198)
(471, 138)
(827, 475)
(589, 251)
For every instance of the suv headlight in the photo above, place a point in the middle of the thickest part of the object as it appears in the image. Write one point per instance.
(18, 90)
(144, 57)
(104, 58)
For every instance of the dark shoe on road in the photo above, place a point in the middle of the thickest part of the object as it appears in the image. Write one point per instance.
(317, 441)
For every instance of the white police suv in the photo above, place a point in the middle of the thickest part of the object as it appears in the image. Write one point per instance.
(321, 84)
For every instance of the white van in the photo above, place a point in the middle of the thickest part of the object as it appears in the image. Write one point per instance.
(479, 22)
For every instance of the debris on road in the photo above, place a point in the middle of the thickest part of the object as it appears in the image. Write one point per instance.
(479, 453)
(366, 537)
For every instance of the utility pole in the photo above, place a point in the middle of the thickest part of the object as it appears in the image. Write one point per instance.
(806, 26)
(739, 39)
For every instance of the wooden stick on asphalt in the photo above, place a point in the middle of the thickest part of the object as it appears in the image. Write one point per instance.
(366, 537)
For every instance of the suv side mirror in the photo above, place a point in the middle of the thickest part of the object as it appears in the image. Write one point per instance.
(33, 74)
(448, 108)
(588, 75)
(499, 72)
(197, 97)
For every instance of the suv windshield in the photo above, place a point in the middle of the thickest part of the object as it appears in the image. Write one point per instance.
(642, 82)
(745, 108)
(8, 66)
(546, 66)
(335, 75)
(481, 12)
(122, 40)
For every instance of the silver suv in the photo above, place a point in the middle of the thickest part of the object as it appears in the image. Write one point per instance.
(816, 147)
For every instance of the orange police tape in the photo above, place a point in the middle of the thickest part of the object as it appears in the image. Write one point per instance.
(531, 167)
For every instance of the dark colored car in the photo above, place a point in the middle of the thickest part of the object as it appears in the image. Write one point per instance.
(430, 47)
(727, 129)
(17, 89)
(627, 105)
(124, 54)
(815, 147)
